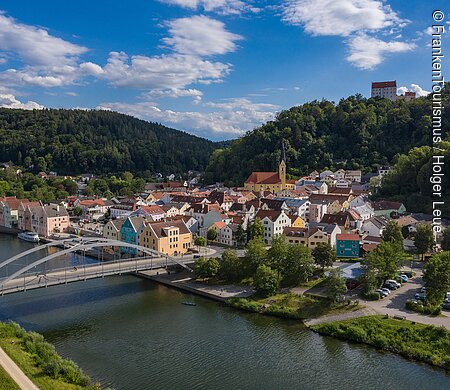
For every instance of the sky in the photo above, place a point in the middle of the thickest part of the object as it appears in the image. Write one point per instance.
(213, 68)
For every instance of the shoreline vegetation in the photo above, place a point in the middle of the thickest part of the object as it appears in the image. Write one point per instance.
(39, 360)
(424, 343)
(292, 306)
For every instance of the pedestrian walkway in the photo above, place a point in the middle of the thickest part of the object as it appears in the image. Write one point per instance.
(15, 372)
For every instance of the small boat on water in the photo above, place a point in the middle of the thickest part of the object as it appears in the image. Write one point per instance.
(187, 303)
(28, 236)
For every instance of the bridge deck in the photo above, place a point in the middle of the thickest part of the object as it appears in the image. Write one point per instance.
(89, 271)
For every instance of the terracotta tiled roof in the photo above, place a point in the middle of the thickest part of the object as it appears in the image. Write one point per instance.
(159, 227)
(386, 205)
(263, 178)
(347, 237)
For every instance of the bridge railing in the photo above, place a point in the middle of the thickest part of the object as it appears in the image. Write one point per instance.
(64, 275)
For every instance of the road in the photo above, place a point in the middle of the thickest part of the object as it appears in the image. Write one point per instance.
(15, 372)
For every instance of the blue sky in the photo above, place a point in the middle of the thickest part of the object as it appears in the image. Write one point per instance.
(214, 68)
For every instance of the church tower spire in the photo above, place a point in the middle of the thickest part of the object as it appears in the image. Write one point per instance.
(282, 167)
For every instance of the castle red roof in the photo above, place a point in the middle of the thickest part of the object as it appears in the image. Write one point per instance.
(384, 84)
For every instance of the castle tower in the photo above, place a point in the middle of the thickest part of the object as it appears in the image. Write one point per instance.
(282, 167)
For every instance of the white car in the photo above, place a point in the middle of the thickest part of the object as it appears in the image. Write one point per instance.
(394, 282)
(382, 293)
(386, 290)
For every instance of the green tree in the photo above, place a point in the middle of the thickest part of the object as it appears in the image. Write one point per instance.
(445, 244)
(277, 254)
(256, 229)
(241, 235)
(385, 260)
(437, 277)
(335, 285)
(211, 235)
(77, 211)
(423, 239)
(266, 281)
(206, 268)
(199, 241)
(298, 266)
(255, 255)
(231, 266)
(324, 255)
(393, 233)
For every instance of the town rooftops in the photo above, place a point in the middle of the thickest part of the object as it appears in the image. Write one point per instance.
(384, 84)
(54, 211)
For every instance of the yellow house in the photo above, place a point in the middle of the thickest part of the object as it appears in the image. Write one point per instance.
(297, 221)
(308, 237)
(270, 181)
(169, 237)
(111, 230)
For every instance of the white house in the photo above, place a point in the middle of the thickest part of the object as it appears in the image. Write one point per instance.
(374, 226)
(274, 222)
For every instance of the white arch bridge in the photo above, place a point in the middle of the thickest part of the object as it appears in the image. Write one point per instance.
(24, 277)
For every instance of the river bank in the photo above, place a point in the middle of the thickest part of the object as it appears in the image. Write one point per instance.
(425, 343)
(41, 367)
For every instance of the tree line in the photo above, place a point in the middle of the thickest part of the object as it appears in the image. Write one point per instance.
(101, 142)
(356, 133)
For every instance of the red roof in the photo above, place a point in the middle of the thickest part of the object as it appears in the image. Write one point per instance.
(384, 84)
(347, 237)
(263, 178)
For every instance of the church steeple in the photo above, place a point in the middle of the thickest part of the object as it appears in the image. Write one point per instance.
(283, 153)
(282, 167)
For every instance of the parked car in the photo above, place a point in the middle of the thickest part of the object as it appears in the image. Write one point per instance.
(196, 256)
(403, 277)
(420, 297)
(446, 305)
(381, 292)
(390, 286)
(447, 297)
(394, 282)
(423, 290)
(386, 290)
(409, 274)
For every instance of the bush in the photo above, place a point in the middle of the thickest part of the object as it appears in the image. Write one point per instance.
(372, 296)
(419, 307)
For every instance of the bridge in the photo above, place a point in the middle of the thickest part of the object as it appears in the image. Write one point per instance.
(24, 279)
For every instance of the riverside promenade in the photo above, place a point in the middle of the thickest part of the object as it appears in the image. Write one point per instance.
(185, 282)
(15, 372)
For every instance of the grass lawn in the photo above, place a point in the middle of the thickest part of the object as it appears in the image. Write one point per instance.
(292, 306)
(425, 343)
(6, 383)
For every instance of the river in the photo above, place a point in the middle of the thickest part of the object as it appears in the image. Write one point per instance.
(129, 333)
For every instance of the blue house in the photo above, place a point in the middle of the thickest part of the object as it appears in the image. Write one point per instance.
(129, 233)
(347, 245)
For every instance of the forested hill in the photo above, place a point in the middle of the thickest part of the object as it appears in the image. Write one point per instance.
(356, 133)
(78, 141)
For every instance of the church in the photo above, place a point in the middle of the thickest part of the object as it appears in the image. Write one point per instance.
(270, 181)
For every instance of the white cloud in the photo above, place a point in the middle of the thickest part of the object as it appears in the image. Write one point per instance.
(47, 61)
(201, 36)
(368, 52)
(162, 72)
(10, 101)
(346, 17)
(339, 17)
(91, 69)
(413, 88)
(36, 46)
(173, 93)
(224, 7)
(228, 119)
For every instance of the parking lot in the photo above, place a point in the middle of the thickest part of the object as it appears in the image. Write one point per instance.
(394, 304)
